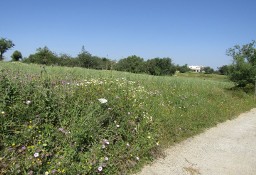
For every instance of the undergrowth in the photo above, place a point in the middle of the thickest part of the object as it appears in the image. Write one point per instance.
(76, 121)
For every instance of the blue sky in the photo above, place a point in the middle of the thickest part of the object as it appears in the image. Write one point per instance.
(196, 32)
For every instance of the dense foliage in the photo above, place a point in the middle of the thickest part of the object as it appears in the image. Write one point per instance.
(16, 56)
(84, 59)
(224, 70)
(208, 70)
(155, 66)
(182, 69)
(43, 56)
(133, 64)
(160, 66)
(243, 68)
(5, 45)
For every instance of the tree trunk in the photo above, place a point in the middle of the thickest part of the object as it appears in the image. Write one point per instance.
(1, 56)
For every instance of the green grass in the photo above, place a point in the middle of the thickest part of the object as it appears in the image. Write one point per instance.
(53, 122)
(203, 76)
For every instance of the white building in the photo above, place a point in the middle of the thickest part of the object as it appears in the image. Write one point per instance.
(196, 68)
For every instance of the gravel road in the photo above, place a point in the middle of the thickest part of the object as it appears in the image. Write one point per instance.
(227, 149)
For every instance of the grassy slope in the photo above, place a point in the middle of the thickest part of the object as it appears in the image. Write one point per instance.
(143, 114)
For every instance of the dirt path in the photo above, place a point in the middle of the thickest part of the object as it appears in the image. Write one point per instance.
(228, 149)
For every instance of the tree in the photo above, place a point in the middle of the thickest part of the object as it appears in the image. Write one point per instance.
(243, 68)
(160, 66)
(106, 63)
(5, 45)
(132, 64)
(43, 56)
(182, 69)
(16, 56)
(85, 59)
(224, 70)
(208, 70)
(67, 60)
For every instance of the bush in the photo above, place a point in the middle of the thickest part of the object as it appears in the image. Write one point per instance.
(160, 66)
(243, 69)
(224, 70)
(132, 64)
(16, 56)
(208, 70)
(43, 56)
(183, 69)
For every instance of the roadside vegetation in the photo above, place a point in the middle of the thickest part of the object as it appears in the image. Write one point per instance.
(94, 115)
(62, 120)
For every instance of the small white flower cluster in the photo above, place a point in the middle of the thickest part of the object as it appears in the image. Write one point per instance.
(103, 100)
(103, 164)
(91, 82)
(100, 168)
(117, 125)
(104, 143)
(36, 155)
(28, 102)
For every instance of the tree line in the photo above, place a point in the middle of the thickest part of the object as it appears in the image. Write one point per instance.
(135, 64)
(242, 70)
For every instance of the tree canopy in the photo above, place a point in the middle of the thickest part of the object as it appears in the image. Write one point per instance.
(132, 64)
(224, 70)
(183, 69)
(243, 68)
(160, 66)
(5, 45)
(208, 70)
(16, 56)
(43, 56)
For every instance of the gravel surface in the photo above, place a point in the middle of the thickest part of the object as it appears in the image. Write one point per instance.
(227, 149)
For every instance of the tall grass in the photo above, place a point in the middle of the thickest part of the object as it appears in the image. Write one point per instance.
(57, 120)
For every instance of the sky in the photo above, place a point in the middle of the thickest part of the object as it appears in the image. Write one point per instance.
(193, 32)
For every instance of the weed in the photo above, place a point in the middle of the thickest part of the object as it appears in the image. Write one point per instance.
(77, 121)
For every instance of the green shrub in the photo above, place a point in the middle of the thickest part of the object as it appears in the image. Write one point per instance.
(243, 69)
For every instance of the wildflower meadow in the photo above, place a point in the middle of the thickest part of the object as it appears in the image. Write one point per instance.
(57, 120)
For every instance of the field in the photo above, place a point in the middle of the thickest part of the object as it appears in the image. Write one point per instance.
(58, 120)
